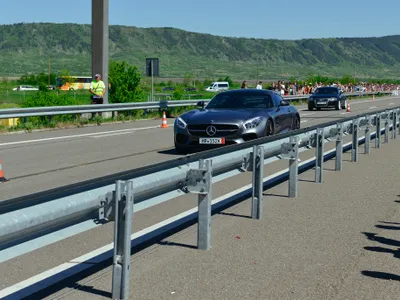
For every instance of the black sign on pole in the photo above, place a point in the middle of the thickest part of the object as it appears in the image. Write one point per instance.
(152, 63)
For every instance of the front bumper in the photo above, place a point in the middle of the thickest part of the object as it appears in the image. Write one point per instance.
(324, 102)
(227, 134)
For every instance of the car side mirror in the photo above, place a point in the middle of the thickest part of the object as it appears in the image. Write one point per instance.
(284, 103)
(200, 104)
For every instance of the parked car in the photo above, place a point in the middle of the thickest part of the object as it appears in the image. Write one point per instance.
(218, 86)
(327, 96)
(25, 88)
(234, 117)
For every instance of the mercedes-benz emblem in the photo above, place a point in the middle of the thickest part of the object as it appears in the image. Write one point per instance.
(211, 130)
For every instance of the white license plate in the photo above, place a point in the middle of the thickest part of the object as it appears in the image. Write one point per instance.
(321, 102)
(212, 141)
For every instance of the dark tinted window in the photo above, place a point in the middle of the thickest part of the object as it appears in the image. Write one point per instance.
(241, 100)
(326, 90)
(277, 99)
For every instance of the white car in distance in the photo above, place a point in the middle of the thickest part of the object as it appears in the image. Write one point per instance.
(25, 88)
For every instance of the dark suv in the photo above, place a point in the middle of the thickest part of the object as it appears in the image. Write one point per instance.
(327, 96)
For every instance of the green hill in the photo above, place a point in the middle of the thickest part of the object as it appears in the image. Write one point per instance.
(27, 48)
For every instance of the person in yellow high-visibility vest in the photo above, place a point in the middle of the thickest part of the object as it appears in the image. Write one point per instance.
(97, 89)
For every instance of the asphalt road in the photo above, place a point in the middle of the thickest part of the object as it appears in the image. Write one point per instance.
(42, 160)
(329, 243)
(337, 240)
(48, 159)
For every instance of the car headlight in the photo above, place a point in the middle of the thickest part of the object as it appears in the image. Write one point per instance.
(180, 123)
(331, 99)
(252, 123)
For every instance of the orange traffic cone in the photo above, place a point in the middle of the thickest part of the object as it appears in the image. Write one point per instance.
(2, 178)
(164, 123)
(348, 108)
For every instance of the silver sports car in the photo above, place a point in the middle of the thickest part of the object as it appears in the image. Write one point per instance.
(233, 117)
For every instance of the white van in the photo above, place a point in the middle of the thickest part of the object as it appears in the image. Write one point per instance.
(218, 86)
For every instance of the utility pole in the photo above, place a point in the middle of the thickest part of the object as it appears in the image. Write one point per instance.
(100, 34)
(49, 74)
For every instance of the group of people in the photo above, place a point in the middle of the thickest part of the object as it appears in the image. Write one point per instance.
(294, 88)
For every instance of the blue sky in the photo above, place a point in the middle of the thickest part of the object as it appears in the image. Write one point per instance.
(288, 19)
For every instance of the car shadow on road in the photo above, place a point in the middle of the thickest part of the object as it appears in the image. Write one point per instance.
(171, 151)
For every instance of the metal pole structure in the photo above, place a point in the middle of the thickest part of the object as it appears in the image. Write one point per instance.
(204, 207)
(387, 127)
(339, 147)
(354, 150)
(378, 131)
(294, 167)
(319, 166)
(398, 113)
(367, 144)
(152, 81)
(394, 124)
(100, 34)
(124, 199)
(258, 179)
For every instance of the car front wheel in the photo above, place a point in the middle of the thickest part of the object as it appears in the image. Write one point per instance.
(269, 128)
(296, 123)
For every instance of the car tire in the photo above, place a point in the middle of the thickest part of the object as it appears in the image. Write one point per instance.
(337, 105)
(345, 104)
(269, 128)
(296, 123)
(310, 106)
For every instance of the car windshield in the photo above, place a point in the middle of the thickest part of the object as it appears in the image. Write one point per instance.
(240, 101)
(326, 90)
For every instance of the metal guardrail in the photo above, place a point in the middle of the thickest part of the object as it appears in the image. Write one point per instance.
(82, 109)
(105, 199)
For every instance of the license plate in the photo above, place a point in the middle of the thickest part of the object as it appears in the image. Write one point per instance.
(321, 102)
(212, 141)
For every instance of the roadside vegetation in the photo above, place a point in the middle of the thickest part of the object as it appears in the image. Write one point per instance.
(127, 85)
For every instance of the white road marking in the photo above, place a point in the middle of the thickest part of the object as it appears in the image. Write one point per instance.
(310, 114)
(78, 136)
(304, 121)
(372, 107)
(111, 134)
(391, 103)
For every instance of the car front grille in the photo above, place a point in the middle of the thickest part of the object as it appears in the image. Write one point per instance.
(223, 130)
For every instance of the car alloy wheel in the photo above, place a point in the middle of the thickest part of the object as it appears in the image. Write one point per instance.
(269, 128)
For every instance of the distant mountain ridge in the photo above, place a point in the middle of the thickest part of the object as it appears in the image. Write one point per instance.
(27, 47)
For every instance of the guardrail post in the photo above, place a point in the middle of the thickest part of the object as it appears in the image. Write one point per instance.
(339, 147)
(291, 151)
(124, 199)
(394, 123)
(354, 150)
(378, 131)
(294, 167)
(367, 144)
(387, 128)
(258, 177)
(319, 165)
(199, 181)
(398, 113)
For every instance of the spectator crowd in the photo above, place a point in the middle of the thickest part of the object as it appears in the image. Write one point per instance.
(294, 88)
